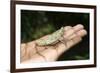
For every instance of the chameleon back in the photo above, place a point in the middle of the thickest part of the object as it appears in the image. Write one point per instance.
(54, 37)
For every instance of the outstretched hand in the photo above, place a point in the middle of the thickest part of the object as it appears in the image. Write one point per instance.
(72, 35)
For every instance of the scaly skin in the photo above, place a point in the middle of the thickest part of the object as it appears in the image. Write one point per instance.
(51, 39)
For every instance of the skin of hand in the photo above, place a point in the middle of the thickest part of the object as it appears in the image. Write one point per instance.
(73, 35)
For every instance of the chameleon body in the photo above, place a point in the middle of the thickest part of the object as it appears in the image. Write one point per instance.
(51, 39)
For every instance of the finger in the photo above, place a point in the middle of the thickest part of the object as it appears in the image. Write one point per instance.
(78, 27)
(80, 33)
(72, 30)
(66, 28)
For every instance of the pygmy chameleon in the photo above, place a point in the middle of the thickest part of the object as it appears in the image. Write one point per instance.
(52, 38)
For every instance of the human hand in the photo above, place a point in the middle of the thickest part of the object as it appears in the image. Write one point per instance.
(72, 35)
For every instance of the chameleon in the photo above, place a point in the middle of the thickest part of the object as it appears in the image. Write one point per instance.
(51, 39)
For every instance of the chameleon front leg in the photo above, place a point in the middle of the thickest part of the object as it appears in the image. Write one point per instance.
(63, 40)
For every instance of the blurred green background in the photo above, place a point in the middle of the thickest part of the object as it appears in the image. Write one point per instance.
(35, 24)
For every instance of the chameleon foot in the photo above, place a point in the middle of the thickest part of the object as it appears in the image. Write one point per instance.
(63, 41)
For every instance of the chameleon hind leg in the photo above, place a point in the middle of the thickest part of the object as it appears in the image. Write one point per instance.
(37, 51)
